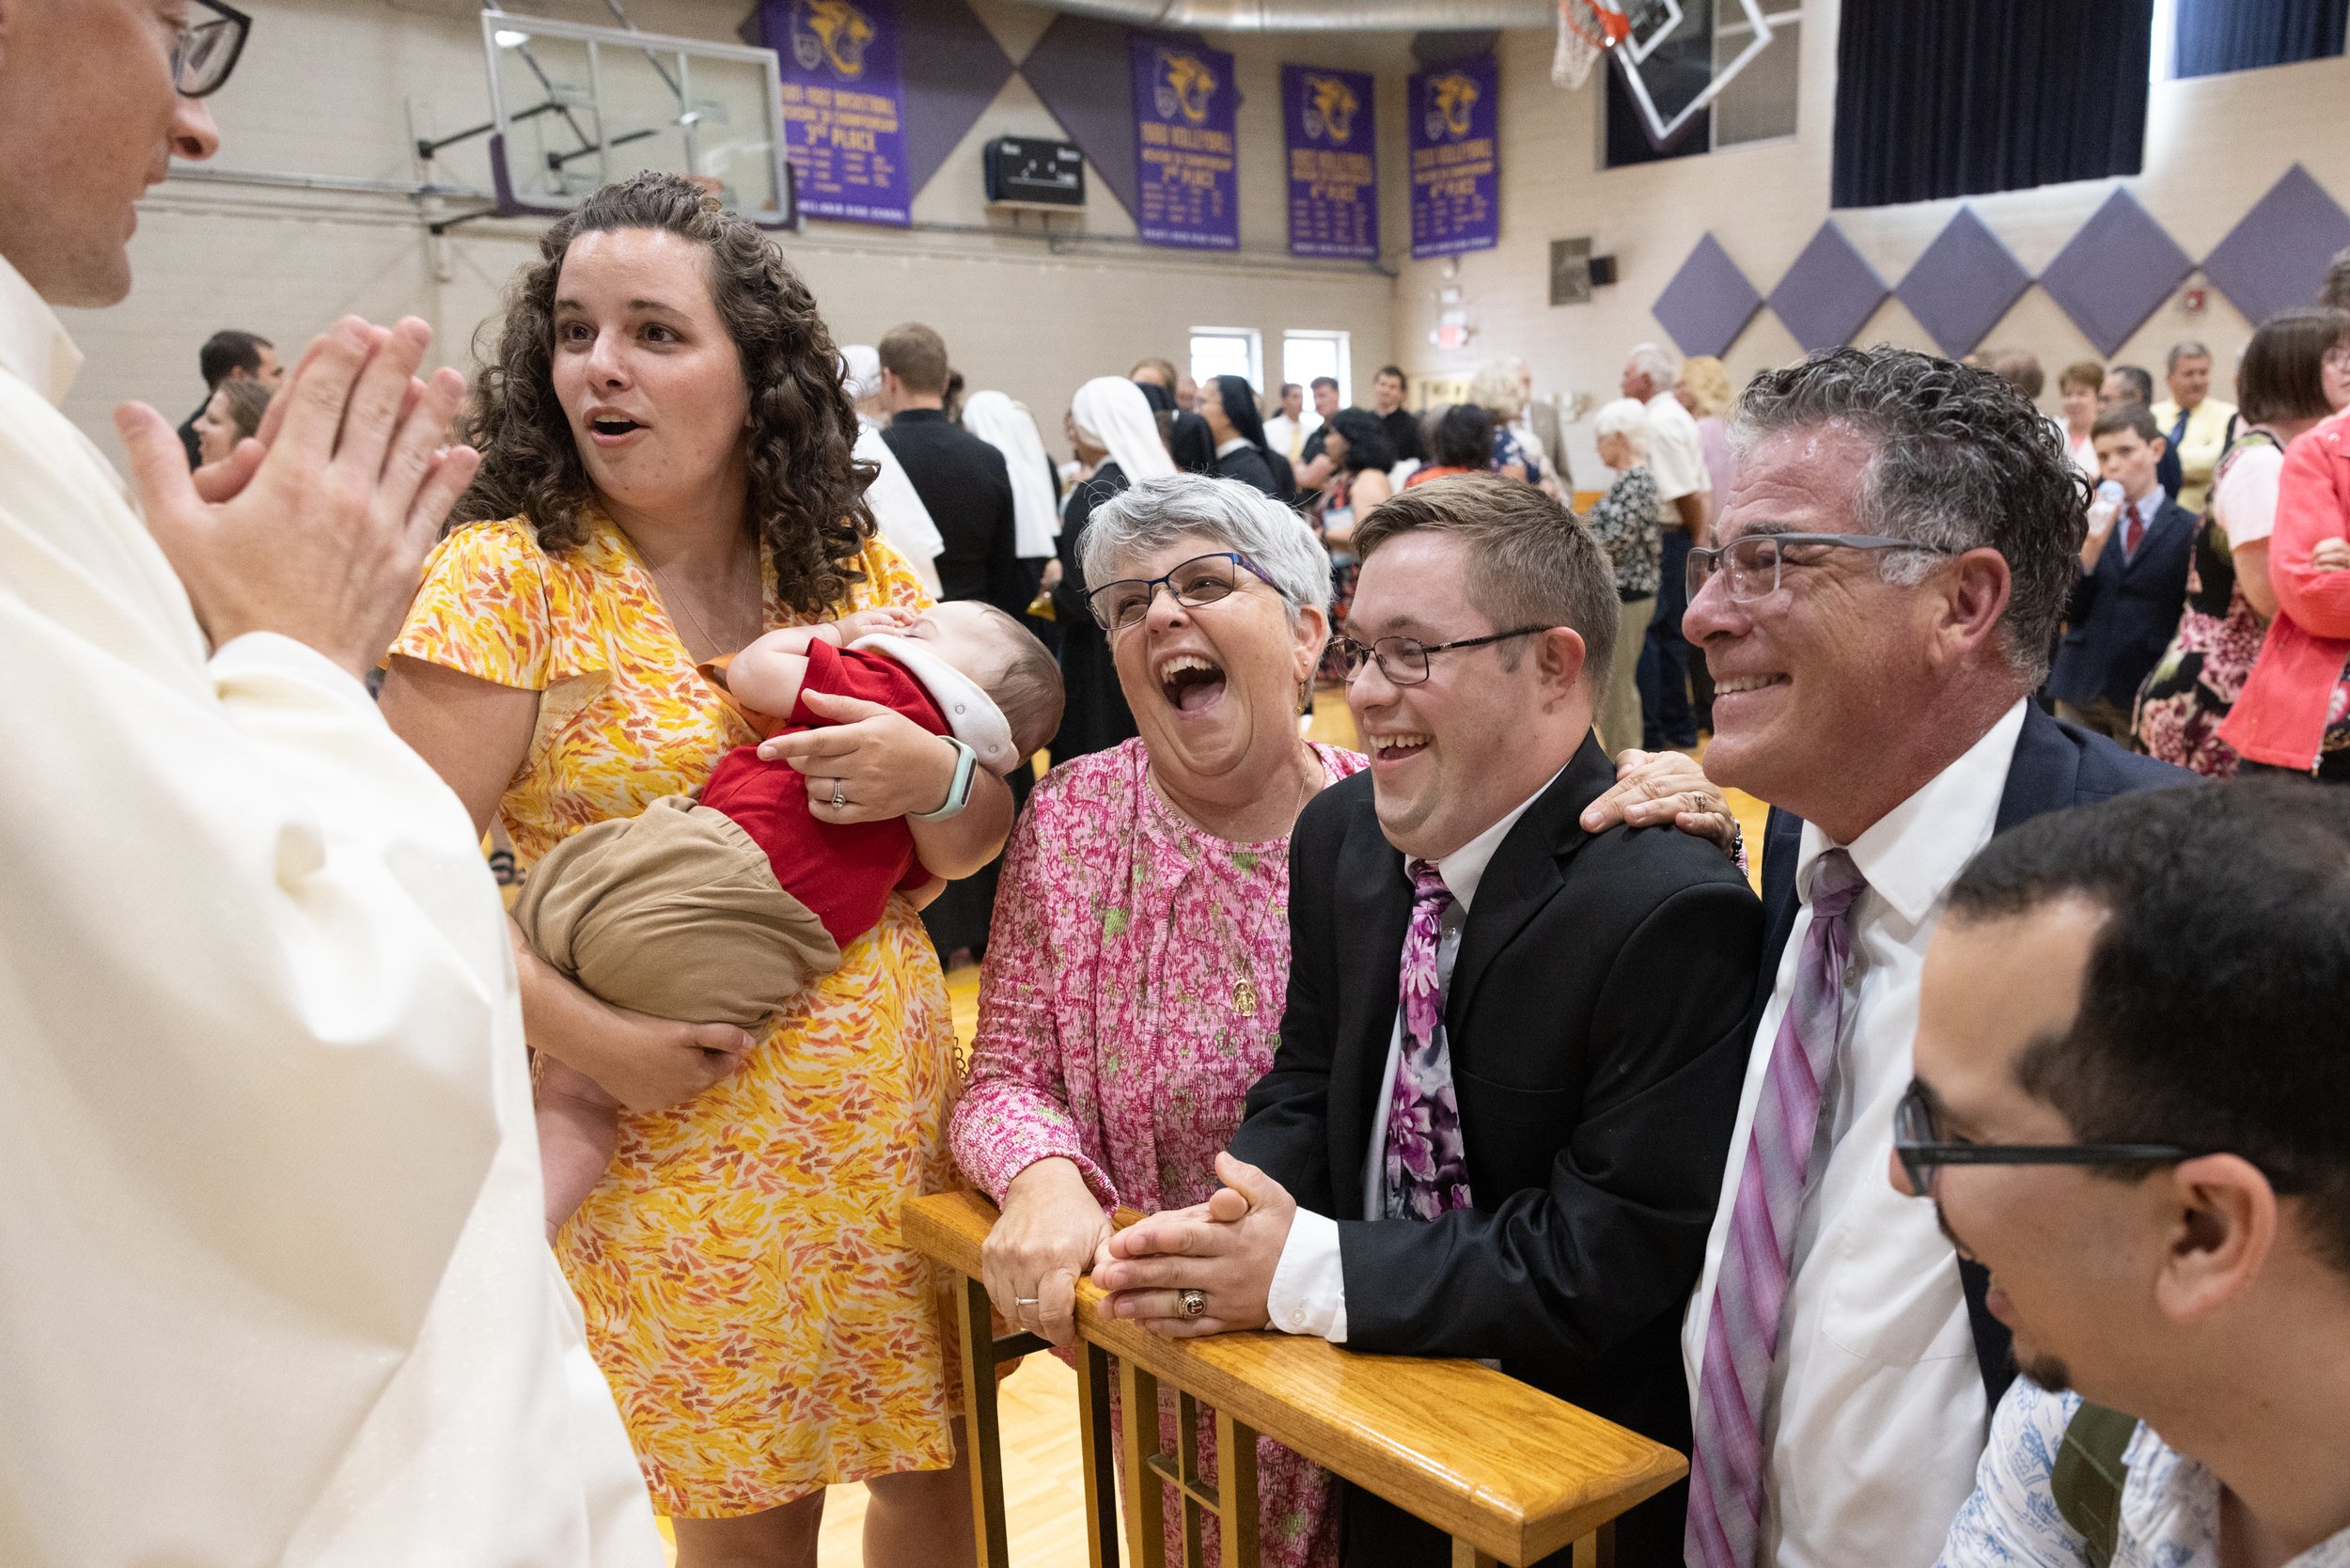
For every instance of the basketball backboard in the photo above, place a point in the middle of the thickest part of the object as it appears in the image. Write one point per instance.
(574, 107)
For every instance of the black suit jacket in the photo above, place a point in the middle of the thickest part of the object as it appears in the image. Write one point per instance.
(964, 483)
(2123, 613)
(1598, 1024)
(2057, 766)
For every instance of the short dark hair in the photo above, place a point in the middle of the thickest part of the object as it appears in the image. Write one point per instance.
(1290, 386)
(2086, 374)
(231, 350)
(2141, 379)
(1962, 461)
(917, 357)
(1367, 443)
(1463, 438)
(2127, 417)
(1530, 562)
(2336, 291)
(2212, 1003)
(1330, 382)
(2020, 369)
(1028, 689)
(2283, 373)
(1395, 370)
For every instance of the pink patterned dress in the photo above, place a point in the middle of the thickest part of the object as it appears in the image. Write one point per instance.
(1131, 994)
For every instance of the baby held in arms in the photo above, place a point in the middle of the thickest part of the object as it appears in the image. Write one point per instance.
(722, 910)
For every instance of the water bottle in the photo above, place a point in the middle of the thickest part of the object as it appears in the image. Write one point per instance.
(2105, 508)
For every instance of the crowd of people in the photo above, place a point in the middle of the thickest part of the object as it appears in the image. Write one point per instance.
(1472, 1040)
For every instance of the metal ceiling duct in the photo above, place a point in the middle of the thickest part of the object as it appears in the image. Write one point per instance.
(1306, 16)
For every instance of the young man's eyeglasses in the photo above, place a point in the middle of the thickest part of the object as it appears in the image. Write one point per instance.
(208, 46)
(1924, 1148)
(1404, 660)
(1751, 563)
(1202, 580)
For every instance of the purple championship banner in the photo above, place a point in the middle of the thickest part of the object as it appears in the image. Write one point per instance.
(1334, 163)
(843, 107)
(1185, 144)
(1456, 161)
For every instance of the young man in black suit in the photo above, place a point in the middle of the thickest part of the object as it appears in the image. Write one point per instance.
(2132, 583)
(960, 478)
(1519, 1160)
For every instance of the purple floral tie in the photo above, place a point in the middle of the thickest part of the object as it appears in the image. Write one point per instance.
(1742, 1328)
(1427, 1170)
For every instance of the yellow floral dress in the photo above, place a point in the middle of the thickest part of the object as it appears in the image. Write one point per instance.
(746, 1288)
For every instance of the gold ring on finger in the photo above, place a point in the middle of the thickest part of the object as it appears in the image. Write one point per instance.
(1191, 1304)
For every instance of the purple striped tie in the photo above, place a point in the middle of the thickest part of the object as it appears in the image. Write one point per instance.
(1742, 1329)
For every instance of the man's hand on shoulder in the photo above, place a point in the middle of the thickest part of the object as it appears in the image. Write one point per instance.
(1226, 1249)
(317, 532)
(1656, 789)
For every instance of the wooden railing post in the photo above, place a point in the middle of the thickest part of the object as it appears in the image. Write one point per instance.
(1236, 1489)
(982, 1435)
(1146, 1504)
(1100, 1442)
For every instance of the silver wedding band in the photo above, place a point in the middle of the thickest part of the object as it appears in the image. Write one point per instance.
(839, 793)
(1191, 1304)
(1024, 1301)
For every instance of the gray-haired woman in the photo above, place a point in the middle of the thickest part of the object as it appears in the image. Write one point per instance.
(1624, 523)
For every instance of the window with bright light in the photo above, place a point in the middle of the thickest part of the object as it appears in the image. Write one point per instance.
(1227, 352)
(1306, 355)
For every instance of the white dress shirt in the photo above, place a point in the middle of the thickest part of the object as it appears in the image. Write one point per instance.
(1287, 436)
(273, 1281)
(1676, 457)
(1873, 1416)
(1308, 1291)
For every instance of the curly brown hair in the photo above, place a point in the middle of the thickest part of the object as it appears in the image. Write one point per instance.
(806, 488)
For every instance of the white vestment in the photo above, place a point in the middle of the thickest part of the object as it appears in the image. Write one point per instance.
(273, 1287)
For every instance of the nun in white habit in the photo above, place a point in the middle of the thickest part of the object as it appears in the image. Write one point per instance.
(1117, 432)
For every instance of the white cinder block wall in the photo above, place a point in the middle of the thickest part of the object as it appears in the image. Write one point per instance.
(340, 87)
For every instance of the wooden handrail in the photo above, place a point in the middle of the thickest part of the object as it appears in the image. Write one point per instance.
(1483, 1457)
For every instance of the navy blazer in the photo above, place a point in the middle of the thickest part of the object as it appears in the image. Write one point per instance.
(2123, 613)
(2057, 766)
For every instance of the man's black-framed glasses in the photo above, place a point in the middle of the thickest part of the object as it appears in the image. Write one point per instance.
(1924, 1148)
(208, 46)
(1202, 580)
(1404, 660)
(1751, 563)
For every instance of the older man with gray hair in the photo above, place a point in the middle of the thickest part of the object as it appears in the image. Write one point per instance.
(1897, 552)
(2197, 426)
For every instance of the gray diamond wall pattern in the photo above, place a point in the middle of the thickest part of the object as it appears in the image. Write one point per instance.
(2108, 278)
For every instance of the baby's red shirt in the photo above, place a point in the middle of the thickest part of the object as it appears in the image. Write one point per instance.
(843, 872)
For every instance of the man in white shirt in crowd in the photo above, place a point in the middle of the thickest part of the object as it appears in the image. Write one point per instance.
(1896, 554)
(2197, 425)
(2152, 1167)
(1287, 431)
(1676, 461)
(272, 1287)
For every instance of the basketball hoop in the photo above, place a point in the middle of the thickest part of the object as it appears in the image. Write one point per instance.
(1585, 28)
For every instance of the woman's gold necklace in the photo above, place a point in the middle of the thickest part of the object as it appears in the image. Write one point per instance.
(669, 596)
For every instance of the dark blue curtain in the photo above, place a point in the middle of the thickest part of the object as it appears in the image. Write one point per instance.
(2245, 35)
(1936, 99)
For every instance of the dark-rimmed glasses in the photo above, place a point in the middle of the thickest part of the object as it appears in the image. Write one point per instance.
(1751, 562)
(1202, 580)
(1923, 1147)
(1404, 660)
(208, 46)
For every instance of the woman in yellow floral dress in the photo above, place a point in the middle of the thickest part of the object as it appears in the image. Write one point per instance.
(667, 472)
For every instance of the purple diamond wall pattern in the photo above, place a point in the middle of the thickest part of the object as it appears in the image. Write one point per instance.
(1829, 292)
(2276, 255)
(1708, 303)
(1963, 284)
(2112, 276)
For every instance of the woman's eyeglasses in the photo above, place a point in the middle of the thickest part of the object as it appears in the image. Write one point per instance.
(1404, 660)
(1751, 563)
(208, 46)
(1202, 580)
(1924, 1148)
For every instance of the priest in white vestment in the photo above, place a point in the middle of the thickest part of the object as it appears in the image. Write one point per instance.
(273, 1286)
